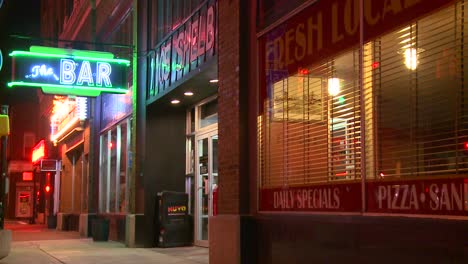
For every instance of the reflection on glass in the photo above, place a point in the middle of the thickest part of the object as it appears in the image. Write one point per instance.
(114, 153)
(103, 177)
(203, 190)
(190, 154)
(215, 154)
(214, 181)
(297, 97)
(209, 113)
(123, 168)
(113, 170)
(192, 120)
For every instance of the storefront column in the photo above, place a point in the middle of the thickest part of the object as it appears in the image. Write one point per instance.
(91, 149)
(237, 146)
(135, 199)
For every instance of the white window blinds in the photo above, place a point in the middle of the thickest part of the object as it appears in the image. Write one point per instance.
(415, 107)
(421, 96)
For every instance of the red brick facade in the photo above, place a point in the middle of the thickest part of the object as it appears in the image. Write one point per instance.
(228, 112)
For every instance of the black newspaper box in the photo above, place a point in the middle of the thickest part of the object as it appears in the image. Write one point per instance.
(173, 226)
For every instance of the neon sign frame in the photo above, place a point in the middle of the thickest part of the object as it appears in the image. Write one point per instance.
(81, 73)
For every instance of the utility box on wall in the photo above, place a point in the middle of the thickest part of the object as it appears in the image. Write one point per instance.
(173, 225)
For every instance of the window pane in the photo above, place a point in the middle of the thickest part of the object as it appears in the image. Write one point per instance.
(312, 124)
(209, 113)
(113, 170)
(103, 184)
(123, 168)
(421, 102)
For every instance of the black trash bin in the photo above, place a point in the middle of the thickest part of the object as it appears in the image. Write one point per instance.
(65, 220)
(51, 221)
(100, 229)
(173, 225)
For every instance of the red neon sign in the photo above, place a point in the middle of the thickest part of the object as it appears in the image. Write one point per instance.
(27, 176)
(38, 152)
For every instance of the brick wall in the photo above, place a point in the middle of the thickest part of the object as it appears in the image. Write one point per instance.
(228, 111)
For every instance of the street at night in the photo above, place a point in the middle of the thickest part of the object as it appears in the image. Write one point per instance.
(233, 131)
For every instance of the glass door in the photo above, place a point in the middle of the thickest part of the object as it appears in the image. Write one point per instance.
(206, 182)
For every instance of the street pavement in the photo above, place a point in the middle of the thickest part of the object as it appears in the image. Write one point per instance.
(39, 245)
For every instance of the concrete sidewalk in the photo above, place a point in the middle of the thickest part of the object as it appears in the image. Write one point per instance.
(87, 251)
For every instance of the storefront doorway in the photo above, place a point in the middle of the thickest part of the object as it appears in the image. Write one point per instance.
(206, 183)
(202, 165)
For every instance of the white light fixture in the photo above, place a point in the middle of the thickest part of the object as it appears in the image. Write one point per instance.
(214, 81)
(409, 50)
(411, 58)
(333, 86)
(188, 93)
(175, 101)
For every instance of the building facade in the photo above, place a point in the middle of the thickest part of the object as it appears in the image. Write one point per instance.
(93, 134)
(22, 199)
(359, 122)
(22, 106)
(300, 130)
(181, 110)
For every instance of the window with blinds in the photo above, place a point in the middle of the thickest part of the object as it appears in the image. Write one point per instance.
(311, 132)
(415, 109)
(421, 96)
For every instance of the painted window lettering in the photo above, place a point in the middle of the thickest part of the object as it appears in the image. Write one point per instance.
(308, 37)
(435, 197)
(398, 197)
(446, 198)
(315, 198)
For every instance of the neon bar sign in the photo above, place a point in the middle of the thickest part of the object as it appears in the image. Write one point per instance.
(38, 152)
(69, 72)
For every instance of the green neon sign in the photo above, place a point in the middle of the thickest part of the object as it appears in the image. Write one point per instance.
(71, 72)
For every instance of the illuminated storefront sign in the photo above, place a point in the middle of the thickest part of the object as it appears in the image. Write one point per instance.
(187, 48)
(326, 27)
(4, 125)
(38, 152)
(48, 165)
(27, 176)
(68, 112)
(71, 72)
